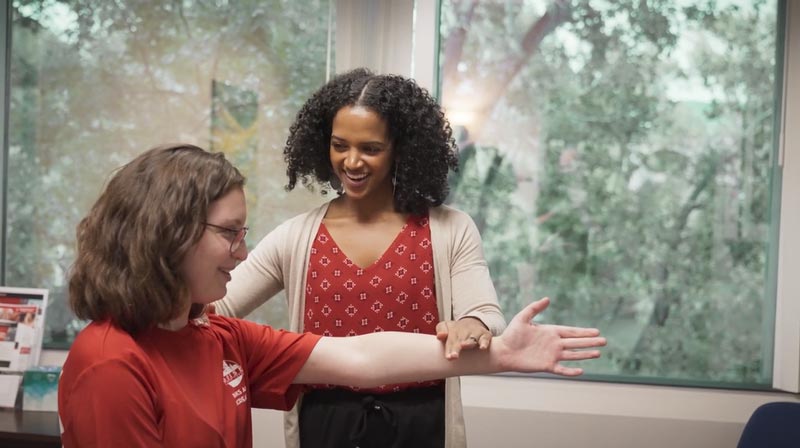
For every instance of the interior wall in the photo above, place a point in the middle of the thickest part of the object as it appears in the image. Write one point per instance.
(553, 413)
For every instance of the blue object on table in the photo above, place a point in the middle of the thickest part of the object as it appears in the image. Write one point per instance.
(40, 388)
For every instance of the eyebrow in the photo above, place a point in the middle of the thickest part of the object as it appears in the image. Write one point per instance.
(233, 223)
(373, 142)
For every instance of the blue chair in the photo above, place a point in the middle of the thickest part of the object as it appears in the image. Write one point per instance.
(772, 425)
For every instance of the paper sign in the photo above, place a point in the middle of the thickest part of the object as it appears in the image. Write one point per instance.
(22, 312)
(9, 386)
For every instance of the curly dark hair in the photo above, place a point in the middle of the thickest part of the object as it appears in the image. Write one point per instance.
(133, 240)
(424, 148)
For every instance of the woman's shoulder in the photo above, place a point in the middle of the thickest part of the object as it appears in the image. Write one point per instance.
(102, 338)
(447, 215)
(233, 328)
(303, 220)
(102, 343)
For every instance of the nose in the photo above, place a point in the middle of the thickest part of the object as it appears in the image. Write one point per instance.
(353, 159)
(241, 252)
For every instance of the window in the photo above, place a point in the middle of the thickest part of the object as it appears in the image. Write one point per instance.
(620, 157)
(93, 83)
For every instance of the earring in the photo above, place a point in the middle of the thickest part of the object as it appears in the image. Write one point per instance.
(394, 180)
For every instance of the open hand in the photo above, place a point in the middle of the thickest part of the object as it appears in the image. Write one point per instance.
(468, 333)
(531, 347)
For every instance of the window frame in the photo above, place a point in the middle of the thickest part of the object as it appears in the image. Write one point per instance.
(785, 353)
(415, 54)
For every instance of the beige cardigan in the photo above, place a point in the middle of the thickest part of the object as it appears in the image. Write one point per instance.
(463, 288)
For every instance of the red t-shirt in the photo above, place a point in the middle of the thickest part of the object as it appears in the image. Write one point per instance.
(192, 387)
(396, 293)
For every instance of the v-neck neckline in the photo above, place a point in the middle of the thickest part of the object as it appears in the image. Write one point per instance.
(382, 255)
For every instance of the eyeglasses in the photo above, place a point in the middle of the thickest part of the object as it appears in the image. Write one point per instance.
(235, 236)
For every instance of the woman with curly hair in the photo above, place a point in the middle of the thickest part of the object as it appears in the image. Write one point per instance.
(384, 254)
(152, 370)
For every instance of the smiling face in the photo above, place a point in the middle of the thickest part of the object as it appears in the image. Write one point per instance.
(361, 154)
(207, 266)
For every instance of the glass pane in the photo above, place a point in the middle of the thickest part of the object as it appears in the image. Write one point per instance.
(93, 83)
(618, 157)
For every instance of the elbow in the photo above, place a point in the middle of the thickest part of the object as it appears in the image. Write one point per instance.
(344, 363)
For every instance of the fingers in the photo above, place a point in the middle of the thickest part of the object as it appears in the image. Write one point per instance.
(466, 333)
(479, 339)
(576, 332)
(484, 340)
(442, 330)
(447, 332)
(577, 355)
(452, 348)
(578, 343)
(529, 312)
(567, 371)
(457, 343)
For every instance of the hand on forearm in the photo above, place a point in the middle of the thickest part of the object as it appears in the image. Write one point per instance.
(465, 333)
(382, 358)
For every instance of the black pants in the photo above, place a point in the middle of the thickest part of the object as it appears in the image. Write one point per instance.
(339, 418)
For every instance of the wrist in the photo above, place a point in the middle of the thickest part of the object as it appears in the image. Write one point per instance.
(500, 355)
(476, 319)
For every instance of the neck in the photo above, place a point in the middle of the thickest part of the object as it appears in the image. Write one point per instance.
(372, 208)
(178, 323)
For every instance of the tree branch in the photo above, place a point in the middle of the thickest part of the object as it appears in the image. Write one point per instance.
(454, 47)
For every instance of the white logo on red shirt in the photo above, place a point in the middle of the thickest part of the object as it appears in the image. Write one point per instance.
(232, 373)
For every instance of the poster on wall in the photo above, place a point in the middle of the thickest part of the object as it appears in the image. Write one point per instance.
(22, 312)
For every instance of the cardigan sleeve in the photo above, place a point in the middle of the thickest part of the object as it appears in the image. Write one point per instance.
(472, 290)
(258, 278)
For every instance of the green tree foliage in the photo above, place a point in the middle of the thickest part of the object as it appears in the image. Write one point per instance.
(648, 130)
(94, 83)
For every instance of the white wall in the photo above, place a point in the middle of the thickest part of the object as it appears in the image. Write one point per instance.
(514, 412)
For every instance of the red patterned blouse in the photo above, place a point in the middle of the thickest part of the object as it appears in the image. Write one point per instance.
(395, 293)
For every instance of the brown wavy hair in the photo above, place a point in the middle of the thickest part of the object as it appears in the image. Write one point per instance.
(136, 235)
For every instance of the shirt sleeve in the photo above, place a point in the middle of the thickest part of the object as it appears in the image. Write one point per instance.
(274, 359)
(472, 288)
(110, 404)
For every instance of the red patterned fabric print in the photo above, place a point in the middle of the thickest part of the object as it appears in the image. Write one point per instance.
(396, 293)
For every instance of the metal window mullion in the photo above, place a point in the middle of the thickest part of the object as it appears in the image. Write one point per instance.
(786, 363)
(5, 56)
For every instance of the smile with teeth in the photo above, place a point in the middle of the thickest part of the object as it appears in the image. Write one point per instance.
(355, 177)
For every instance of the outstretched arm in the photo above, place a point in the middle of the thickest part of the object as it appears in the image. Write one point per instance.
(384, 358)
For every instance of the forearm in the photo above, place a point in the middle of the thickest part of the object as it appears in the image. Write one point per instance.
(391, 357)
(383, 358)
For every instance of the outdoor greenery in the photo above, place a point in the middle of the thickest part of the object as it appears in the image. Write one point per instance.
(618, 157)
(93, 83)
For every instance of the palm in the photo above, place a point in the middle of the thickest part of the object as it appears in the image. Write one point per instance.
(540, 348)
